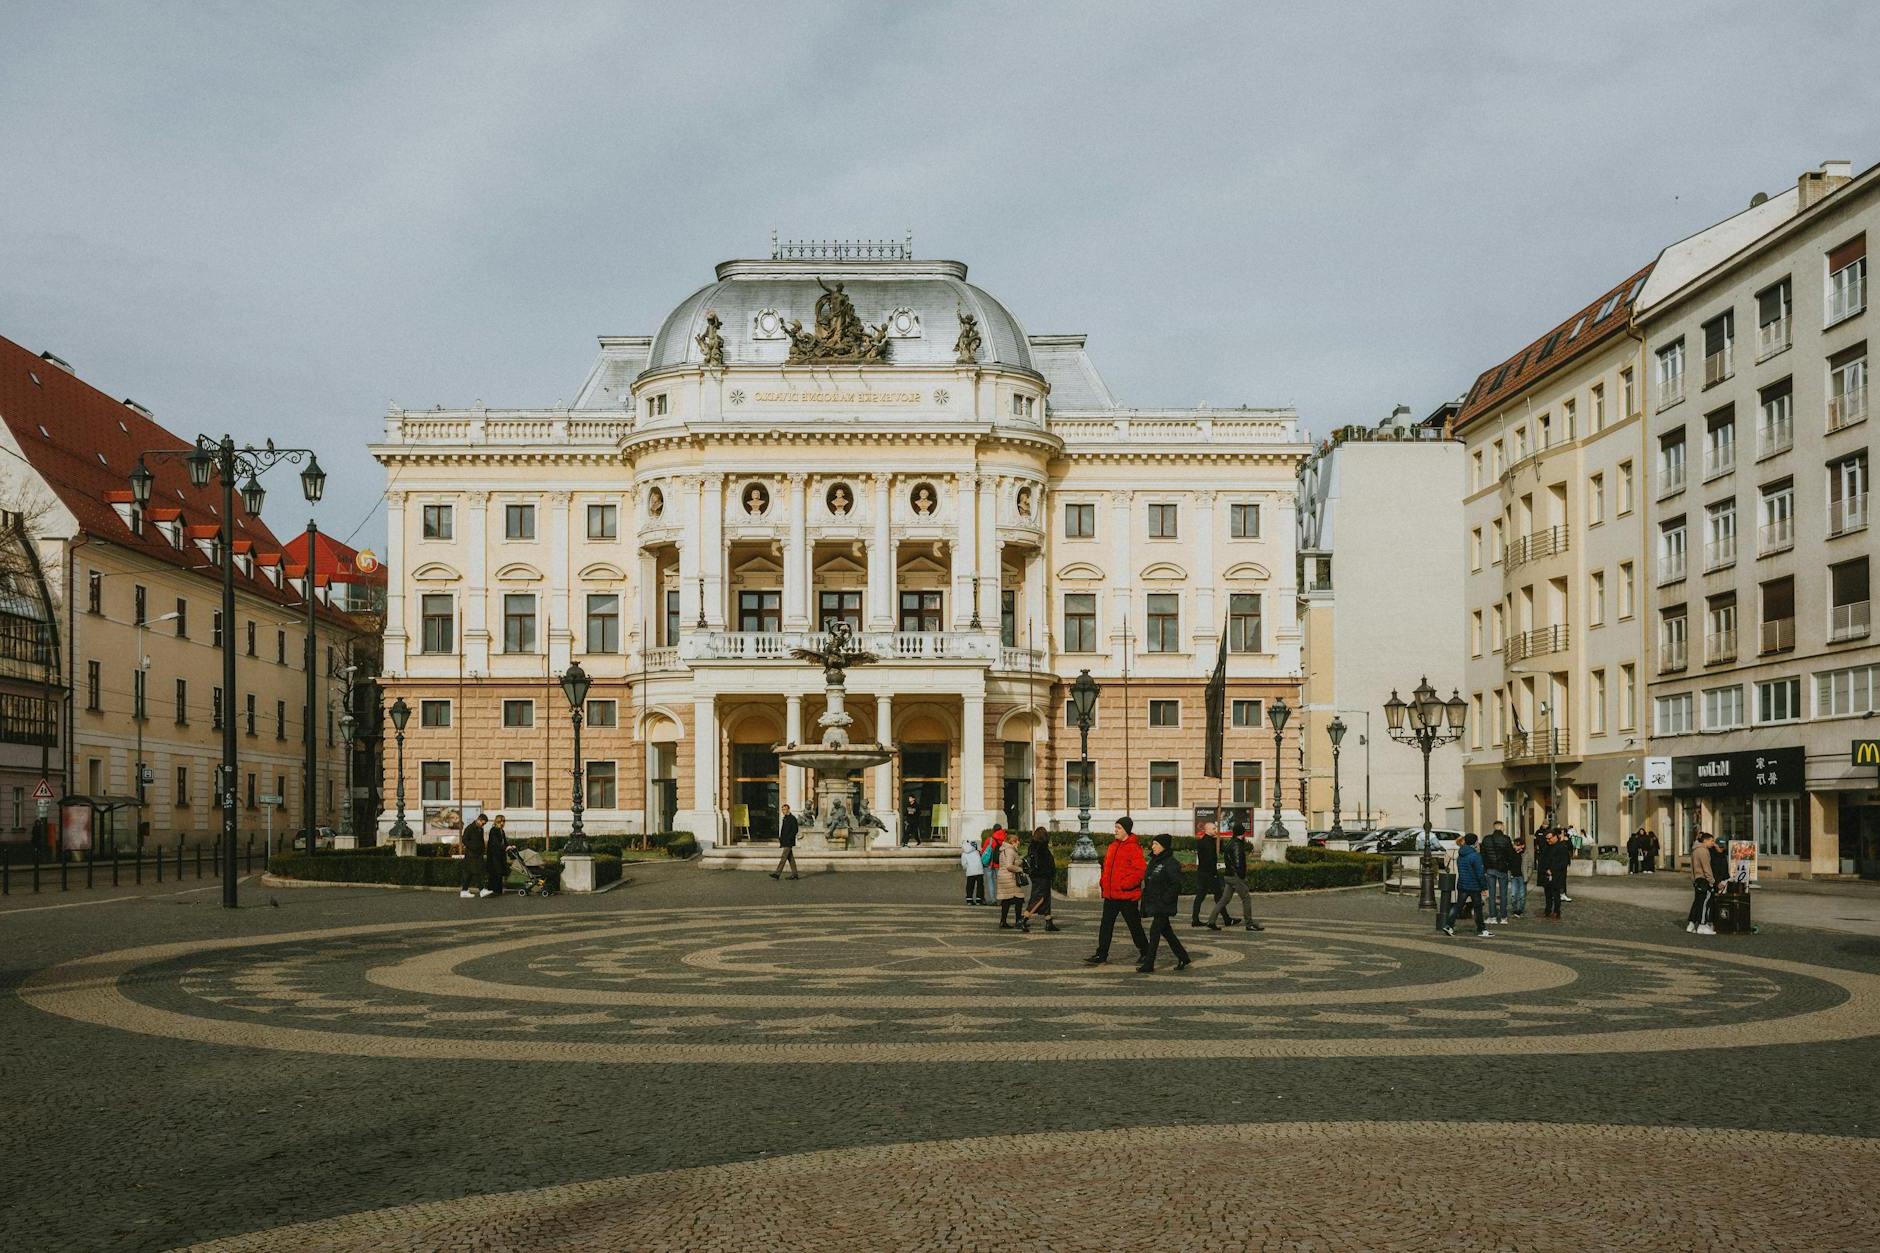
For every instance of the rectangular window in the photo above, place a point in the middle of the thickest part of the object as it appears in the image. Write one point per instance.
(1163, 521)
(760, 610)
(1248, 783)
(1628, 589)
(215, 629)
(1849, 606)
(1847, 388)
(1779, 700)
(1720, 629)
(181, 796)
(920, 611)
(1674, 714)
(1596, 698)
(519, 522)
(518, 713)
(841, 605)
(1720, 535)
(1628, 386)
(1847, 494)
(1723, 707)
(1598, 408)
(656, 406)
(439, 634)
(182, 618)
(600, 785)
(1165, 626)
(1628, 696)
(603, 622)
(1778, 615)
(1165, 784)
(1475, 633)
(671, 618)
(1777, 517)
(1847, 279)
(1720, 442)
(1772, 320)
(1595, 500)
(518, 622)
(1596, 599)
(1243, 521)
(1671, 551)
(1842, 693)
(1080, 784)
(437, 522)
(215, 709)
(280, 719)
(603, 713)
(139, 679)
(1248, 713)
(1243, 622)
(603, 521)
(138, 604)
(1673, 638)
(433, 713)
(1165, 713)
(1475, 549)
(182, 702)
(1475, 469)
(1008, 617)
(1671, 462)
(434, 781)
(251, 637)
(1775, 422)
(1080, 521)
(1671, 374)
(1719, 347)
(94, 592)
(1070, 714)
(519, 784)
(280, 648)
(1775, 825)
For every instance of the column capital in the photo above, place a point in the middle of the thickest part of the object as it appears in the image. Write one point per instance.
(1120, 496)
(396, 500)
(797, 478)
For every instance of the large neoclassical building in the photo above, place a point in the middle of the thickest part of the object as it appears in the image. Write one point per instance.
(839, 433)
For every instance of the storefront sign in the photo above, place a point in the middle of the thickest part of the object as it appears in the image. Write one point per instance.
(1658, 773)
(1866, 752)
(1743, 861)
(1763, 772)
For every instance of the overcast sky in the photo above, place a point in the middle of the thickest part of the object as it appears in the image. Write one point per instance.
(275, 219)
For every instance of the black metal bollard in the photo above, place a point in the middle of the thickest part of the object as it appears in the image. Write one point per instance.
(199, 860)
(6, 876)
(159, 863)
(35, 867)
(115, 859)
(90, 863)
(139, 867)
(64, 862)
(248, 855)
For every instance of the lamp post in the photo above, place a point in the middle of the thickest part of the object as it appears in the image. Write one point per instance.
(401, 832)
(346, 726)
(141, 713)
(1553, 778)
(1421, 722)
(574, 685)
(308, 587)
(1084, 702)
(224, 462)
(1335, 731)
(1277, 713)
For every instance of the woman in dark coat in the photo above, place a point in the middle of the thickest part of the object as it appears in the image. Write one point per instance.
(1161, 897)
(1040, 867)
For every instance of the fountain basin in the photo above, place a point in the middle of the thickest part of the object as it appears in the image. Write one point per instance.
(825, 759)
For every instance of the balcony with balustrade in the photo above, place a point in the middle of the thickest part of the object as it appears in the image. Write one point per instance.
(1850, 621)
(1536, 643)
(1670, 567)
(1719, 648)
(1547, 542)
(1720, 553)
(1719, 460)
(1847, 409)
(981, 647)
(1670, 479)
(1673, 656)
(1847, 514)
(1774, 537)
(1847, 298)
(1718, 365)
(1538, 745)
(1775, 435)
(1778, 636)
(1773, 337)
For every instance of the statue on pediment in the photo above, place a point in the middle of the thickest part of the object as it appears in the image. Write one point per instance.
(711, 341)
(966, 347)
(840, 334)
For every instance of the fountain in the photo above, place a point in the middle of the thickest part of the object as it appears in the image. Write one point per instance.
(838, 804)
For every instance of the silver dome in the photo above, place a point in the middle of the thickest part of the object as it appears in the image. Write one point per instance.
(934, 292)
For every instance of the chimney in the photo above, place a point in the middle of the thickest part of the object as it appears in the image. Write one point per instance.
(1815, 185)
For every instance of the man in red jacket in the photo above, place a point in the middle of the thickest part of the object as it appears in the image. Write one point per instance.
(1123, 867)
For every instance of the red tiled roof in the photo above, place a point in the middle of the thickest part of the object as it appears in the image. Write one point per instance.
(1579, 332)
(337, 563)
(84, 445)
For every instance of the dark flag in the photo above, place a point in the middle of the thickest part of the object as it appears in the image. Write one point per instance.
(1217, 710)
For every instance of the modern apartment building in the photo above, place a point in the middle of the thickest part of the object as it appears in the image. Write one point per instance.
(1554, 516)
(140, 624)
(1764, 670)
(1380, 576)
(838, 435)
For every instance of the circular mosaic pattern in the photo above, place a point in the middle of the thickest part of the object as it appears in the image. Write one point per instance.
(1367, 1186)
(835, 984)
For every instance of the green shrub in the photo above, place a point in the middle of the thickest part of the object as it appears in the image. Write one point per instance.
(1375, 868)
(681, 845)
(438, 872)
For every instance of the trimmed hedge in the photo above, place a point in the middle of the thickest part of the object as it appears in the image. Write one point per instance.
(672, 843)
(426, 872)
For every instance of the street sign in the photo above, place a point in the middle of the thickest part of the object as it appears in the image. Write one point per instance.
(1630, 783)
(146, 775)
(1865, 753)
(45, 809)
(1658, 773)
(43, 792)
(269, 798)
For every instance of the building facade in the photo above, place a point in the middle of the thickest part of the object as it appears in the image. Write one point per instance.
(1764, 671)
(865, 439)
(31, 694)
(138, 603)
(1381, 574)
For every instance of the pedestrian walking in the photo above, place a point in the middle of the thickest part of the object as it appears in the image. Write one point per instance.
(910, 820)
(1161, 897)
(1501, 862)
(975, 868)
(1208, 885)
(1634, 851)
(471, 875)
(989, 856)
(1471, 882)
(1704, 884)
(1551, 859)
(1013, 886)
(1651, 851)
(1041, 869)
(1517, 877)
(496, 855)
(1121, 885)
(786, 841)
(1447, 902)
(1234, 882)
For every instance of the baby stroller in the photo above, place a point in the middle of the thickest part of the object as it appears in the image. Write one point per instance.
(542, 878)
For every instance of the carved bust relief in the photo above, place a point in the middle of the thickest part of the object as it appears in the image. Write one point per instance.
(756, 500)
(839, 499)
(923, 500)
(655, 502)
(1024, 502)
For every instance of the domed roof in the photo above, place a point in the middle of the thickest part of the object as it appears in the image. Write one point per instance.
(921, 301)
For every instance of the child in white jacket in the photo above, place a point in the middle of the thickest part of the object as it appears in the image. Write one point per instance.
(975, 869)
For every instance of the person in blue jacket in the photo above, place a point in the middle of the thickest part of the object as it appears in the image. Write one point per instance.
(1471, 881)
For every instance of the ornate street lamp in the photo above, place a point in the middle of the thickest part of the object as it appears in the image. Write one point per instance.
(1084, 703)
(347, 725)
(1426, 721)
(401, 714)
(1277, 713)
(1335, 731)
(221, 460)
(574, 685)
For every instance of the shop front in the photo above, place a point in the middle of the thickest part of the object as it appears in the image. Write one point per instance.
(1759, 795)
(1860, 812)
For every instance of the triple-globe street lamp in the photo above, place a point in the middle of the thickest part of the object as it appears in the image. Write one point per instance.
(1084, 705)
(400, 714)
(1335, 732)
(574, 685)
(226, 463)
(1427, 722)
(1277, 713)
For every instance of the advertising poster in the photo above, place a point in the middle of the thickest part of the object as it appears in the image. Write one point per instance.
(443, 823)
(75, 828)
(1742, 861)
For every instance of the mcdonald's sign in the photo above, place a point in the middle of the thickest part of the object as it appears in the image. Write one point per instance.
(1867, 753)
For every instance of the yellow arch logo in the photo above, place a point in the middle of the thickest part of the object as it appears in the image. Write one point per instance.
(1867, 752)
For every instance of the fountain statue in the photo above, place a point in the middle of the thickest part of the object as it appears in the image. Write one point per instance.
(838, 804)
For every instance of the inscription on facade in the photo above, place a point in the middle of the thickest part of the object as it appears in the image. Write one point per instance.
(836, 398)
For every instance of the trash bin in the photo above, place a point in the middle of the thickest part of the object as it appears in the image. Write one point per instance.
(1729, 910)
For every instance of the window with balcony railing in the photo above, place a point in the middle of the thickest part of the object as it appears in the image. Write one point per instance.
(1671, 565)
(1847, 290)
(1773, 337)
(1719, 646)
(1847, 408)
(1847, 514)
(1778, 635)
(1851, 621)
(1717, 365)
(1672, 655)
(1720, 552)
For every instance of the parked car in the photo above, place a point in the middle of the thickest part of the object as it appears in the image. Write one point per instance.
(1412, 840)
(1370, 841)
(323, 837)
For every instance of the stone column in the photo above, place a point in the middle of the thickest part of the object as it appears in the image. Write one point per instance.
(1037, 602)
(793, 776)
(712, 545)
(972, 807)
(646, 609)
(396, 633)
(1207, 614)
(476, 632)
(882, 800)
(691, 546)
(879, 611)
(797, 603)
(561, 624)
(704, 816)
(1121, 616)
(965, 547)
(986, 563)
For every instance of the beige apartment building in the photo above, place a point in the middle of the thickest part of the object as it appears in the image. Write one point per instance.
(138, 603)
(1764, 668)
(837, 434)
(1554, 515)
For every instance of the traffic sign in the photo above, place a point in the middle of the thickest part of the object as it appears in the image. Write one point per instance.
(269, 798)
(43, 792)
(1630, 783)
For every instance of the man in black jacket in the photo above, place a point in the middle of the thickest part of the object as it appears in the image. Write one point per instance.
(1234, 882)
(471, 875)
(1207, 871)
(1500, 860)
(786, 840)
(1551, 859)
(496, 855)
